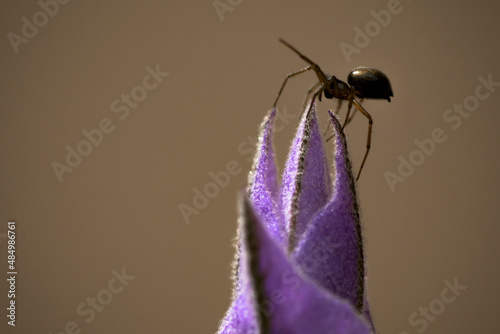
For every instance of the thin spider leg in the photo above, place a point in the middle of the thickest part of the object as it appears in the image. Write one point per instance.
(329, 138)
(315, 95)
(350, 98)
(339, 105)
(321, 75)
(328, 126)
(369, 138)
(291, 75)
(347, 121)
(309, 93)
(347, 118)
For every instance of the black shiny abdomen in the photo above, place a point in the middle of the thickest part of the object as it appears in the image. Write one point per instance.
(370, 83)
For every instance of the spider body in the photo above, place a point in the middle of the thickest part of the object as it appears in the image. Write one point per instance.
(363, 82)
(370, 83)
(343, 90)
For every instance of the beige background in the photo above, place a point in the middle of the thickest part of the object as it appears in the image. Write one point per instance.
(119, 207)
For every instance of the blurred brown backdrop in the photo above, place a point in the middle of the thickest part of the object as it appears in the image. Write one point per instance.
(119, 206)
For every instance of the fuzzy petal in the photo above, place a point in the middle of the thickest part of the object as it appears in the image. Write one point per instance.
(306, 179)
(241, 317)
(290, 303)
(317, 285)
(263, 181)
(331, 251)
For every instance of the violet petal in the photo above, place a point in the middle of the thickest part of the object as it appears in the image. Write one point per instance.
(290, 303)
(306, 179)
(263, 181)
(331, 251)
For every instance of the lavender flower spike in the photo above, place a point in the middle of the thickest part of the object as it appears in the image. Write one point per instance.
(299, 265)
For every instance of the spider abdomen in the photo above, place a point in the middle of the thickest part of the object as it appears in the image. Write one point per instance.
(370, 83)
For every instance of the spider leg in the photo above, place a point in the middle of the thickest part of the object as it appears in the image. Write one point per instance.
(318, 92)
(291, 75)
(321, 76)
(339, 105)
(347, 121)
(369, 138)
(350, 98)
(328, 126)
(309, 93)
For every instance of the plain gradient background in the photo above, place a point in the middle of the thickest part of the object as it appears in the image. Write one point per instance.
(119, 208)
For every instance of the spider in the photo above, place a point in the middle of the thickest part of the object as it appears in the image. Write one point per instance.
(364, 82)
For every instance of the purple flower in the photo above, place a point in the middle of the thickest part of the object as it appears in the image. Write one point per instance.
(299, 266)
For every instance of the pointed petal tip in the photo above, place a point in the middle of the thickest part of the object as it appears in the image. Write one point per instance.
(263, 178)
(334, 233)
(306, 183)
(265, 263)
